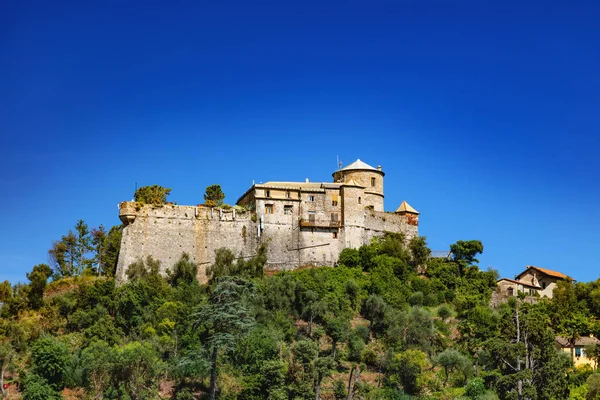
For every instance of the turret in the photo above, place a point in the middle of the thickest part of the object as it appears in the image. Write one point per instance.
(412, 215)
(366, 176)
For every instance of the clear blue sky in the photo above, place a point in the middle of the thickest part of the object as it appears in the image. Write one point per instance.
(484, 115)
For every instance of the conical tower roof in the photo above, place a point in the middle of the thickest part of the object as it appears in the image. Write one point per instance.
(405, 207)
(358, 164)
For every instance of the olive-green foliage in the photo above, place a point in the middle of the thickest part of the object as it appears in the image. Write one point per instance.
(215, 194)
(36, 387)
(593, 387)
(227, 264)
(38, 278)
(408, 368)
(452, 360)
(349, 258)
(49, 361)
(155, 195)
(184, 271)
(475, 388)
(136, 366)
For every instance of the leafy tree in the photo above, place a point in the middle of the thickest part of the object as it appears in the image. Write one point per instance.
(143, 268)
(36, 387)
(226, 264)
(374, 310)
(38, 278)
(136, 368)
(155, 195)
(184, 271)
(419, 251)
(475, 388)
(444, 312)
(98, 242)
(98, 361)
(215, 194)
(525, 355)
(464, 252)
(593, 386)
(110, 253)
(409, 366)
(226, 317)
(349, 258)
(323, 368)
(337, 329)
(69, 255)
(593, 351)
(50, 359)
(5, 291)
(572, 328)
(7, 355)
(451, 360)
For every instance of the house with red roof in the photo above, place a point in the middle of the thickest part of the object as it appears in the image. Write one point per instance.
(533, 281)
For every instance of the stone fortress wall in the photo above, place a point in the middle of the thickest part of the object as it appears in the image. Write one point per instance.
(302, 223)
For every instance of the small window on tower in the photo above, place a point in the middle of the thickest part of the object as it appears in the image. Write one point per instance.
(311, 198)
(269, 209)
(372, 181)
(268, 193)
(359, 200)
(334, 235)
(287, 210)
(288, 195)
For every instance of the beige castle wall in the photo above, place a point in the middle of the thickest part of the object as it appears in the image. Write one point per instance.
(292, 239)
(166, 232)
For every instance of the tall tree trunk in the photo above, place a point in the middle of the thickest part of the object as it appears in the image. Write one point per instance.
(349, 395)
(356, 375)
(213, 375)
(520, 381)
(333, 348)
(318, 390)
(2, 390)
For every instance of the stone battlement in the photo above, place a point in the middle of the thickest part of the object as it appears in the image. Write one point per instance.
(302, 223)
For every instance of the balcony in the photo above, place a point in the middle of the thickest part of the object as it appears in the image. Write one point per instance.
(319, 223)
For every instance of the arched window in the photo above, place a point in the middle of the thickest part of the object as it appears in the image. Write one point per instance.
(510, 291)
(359, 200)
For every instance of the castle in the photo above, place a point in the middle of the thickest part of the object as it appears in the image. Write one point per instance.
(303, 223)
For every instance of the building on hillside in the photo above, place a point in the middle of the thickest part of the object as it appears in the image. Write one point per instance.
(302, 223)
(579, 356)
(534, 281)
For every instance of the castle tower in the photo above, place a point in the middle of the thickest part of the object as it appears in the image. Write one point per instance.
(366, 176)
(412, 215)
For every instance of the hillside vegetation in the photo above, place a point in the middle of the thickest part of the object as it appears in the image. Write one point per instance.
(388, 322)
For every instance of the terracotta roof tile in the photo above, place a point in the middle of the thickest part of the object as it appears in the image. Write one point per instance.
(548, 272)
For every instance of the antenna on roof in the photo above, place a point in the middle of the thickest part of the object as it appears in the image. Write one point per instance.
(339, 163)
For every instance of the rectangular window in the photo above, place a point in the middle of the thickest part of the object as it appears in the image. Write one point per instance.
(268, 193)
(577, 351)
(372, 181)
(334, 217)
(312, 216)
(269, 209)
(311, 198)
(334, 203)
(287, 210)
(334, 235)
(288, 195)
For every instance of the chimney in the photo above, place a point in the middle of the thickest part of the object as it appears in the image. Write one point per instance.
(379, 168)
(307, 180)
